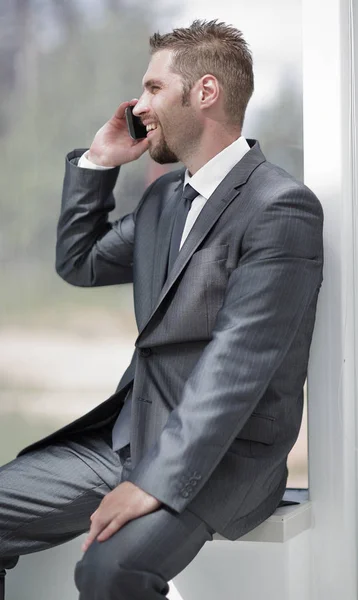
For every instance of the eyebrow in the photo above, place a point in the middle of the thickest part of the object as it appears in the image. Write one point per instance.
(151, 82)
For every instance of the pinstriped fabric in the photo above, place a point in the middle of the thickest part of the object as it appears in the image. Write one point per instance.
(47, 497)
(121, 429)
(245, 304)
(223, 344)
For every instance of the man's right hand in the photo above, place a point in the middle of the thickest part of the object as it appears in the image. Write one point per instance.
(112, 145)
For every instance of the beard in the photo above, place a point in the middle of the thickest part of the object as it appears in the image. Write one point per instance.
(184, 132)
(162, 154)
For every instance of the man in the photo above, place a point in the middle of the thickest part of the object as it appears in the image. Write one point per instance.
(226, 276)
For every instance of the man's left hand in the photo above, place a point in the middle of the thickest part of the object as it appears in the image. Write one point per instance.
(126, 502)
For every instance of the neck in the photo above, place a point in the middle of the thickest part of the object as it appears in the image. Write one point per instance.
(213, 141)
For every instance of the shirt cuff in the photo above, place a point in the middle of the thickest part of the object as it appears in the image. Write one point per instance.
(87, 164)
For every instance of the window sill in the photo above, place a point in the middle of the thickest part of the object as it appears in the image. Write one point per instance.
(284, 524)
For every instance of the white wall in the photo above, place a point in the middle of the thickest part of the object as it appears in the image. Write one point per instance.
(329, 169)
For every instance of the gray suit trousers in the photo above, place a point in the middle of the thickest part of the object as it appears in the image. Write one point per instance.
(47, 497)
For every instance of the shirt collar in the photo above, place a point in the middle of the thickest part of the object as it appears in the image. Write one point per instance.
(206, 180)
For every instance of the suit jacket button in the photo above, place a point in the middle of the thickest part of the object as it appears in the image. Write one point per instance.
(145, 351)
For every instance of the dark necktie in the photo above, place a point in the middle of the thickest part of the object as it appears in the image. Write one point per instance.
(182, 212)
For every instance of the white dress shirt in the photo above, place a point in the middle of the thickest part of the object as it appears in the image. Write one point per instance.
(205, 181)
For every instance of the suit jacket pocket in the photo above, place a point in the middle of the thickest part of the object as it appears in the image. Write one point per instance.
(189, 310)
(257, 435)
(259, 428)
(209, 254)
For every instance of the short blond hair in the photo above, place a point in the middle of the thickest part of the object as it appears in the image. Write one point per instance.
(209, 47)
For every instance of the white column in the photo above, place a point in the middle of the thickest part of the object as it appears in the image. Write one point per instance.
(330, 165)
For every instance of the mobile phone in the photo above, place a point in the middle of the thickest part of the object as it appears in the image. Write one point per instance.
(136, 129)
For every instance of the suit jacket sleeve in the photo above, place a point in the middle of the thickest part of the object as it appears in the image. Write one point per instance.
(278, 275)
(91, 250)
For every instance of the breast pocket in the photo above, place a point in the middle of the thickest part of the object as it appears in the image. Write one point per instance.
(211, 254)
(189, 310)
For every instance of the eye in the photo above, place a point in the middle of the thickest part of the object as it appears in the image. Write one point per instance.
(155, 88)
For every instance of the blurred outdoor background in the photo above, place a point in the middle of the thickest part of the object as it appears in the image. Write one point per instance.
(65, 65)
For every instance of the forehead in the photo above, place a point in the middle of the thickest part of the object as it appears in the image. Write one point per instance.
(159, 67)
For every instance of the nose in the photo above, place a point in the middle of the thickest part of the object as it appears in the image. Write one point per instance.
(141, 107)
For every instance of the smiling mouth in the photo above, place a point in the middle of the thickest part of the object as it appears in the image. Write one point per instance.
(151, 127)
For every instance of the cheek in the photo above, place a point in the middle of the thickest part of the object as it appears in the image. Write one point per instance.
(164, 111)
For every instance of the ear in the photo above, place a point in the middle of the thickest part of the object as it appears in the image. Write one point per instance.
(209, 91)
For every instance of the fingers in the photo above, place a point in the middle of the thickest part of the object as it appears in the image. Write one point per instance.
(142, 144)
(120, 112)
(103, 526)
(139, 147)
(124, 503)
(102, 530)
(96, 528)
(112, 528)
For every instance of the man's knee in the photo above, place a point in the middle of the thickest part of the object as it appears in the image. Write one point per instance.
(120, 551)
(95, 570)
(101, 573)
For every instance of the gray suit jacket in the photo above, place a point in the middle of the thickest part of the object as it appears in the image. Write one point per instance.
(223, 343)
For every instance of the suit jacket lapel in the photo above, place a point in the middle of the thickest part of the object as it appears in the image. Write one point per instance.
(224, 194)
(207, 218)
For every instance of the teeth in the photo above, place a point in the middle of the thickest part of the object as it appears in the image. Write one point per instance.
(151, 126)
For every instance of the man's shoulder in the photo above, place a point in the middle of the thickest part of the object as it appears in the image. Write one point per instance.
(272, 181)
(271, 173)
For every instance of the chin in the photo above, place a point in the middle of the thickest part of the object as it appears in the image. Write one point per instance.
(162, 154)
(165, 160)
